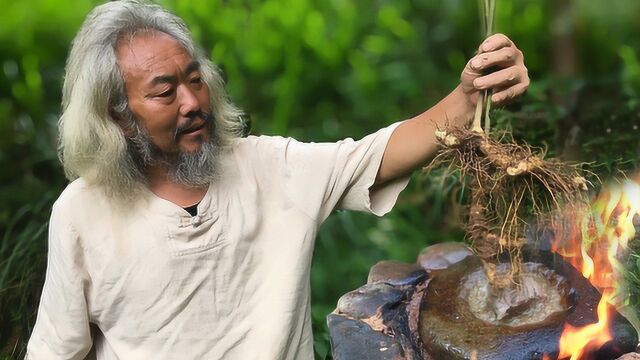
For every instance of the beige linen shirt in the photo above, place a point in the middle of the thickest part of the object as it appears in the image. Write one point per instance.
(231, 282)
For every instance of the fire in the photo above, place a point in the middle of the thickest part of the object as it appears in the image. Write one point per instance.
(593, 244)
(574, 342)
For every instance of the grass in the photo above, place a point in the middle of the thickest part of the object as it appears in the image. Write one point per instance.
(22, 264)
(632, 277)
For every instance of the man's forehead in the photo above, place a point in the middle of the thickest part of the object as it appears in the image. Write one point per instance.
(152, 53)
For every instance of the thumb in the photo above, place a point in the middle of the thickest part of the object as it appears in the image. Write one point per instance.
(469, 74)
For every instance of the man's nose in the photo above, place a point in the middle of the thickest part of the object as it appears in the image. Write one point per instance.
(189, 102)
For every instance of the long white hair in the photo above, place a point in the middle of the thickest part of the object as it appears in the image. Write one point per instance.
(91, 144)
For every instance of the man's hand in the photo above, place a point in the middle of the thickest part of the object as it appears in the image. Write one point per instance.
(499, 66)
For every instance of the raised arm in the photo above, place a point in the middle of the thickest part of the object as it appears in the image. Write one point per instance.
(413, 143)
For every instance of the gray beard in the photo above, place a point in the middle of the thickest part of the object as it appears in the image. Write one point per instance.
(195, 169)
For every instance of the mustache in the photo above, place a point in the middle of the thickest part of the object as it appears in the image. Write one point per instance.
(188, 125)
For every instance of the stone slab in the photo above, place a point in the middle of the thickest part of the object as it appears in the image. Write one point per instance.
(396, 273)
(354, 340)
(368, 300)
(441, 256)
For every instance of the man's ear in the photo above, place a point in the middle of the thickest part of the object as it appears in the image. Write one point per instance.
(122, 123)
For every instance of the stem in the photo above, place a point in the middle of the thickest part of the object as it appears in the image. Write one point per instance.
(487, 108)
(478, 115)
(483, 107)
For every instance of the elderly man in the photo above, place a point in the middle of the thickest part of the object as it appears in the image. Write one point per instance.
(177, 238)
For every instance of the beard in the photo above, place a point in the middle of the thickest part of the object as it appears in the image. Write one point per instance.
(195, 169)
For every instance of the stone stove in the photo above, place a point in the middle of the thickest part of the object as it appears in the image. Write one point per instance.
(433, 310)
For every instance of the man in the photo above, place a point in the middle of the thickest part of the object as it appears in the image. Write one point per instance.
(178, 239)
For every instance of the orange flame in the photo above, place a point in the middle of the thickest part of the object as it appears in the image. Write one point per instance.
(593, 243)
(575, 342)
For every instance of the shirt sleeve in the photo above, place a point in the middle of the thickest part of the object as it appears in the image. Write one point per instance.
(320, 177)
(62, 326)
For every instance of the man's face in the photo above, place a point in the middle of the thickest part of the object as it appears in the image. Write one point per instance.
(165, 91)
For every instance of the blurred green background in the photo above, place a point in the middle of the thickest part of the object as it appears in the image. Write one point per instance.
(322, 71)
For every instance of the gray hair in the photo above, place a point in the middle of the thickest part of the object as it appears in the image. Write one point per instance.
(91, 144)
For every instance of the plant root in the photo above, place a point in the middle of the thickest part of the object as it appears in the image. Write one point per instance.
(509, 184)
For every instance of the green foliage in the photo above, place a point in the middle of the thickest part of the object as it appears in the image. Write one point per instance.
(323, 70)
(633, 280)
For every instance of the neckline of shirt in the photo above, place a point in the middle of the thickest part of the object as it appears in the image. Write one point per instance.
(165, 207)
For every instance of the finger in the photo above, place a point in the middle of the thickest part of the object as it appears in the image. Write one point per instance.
(494, 42)
(507, 94)
(501, 78)
(502, 57)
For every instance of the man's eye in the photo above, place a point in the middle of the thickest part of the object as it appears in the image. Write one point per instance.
(166, 93)
(196, 80)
